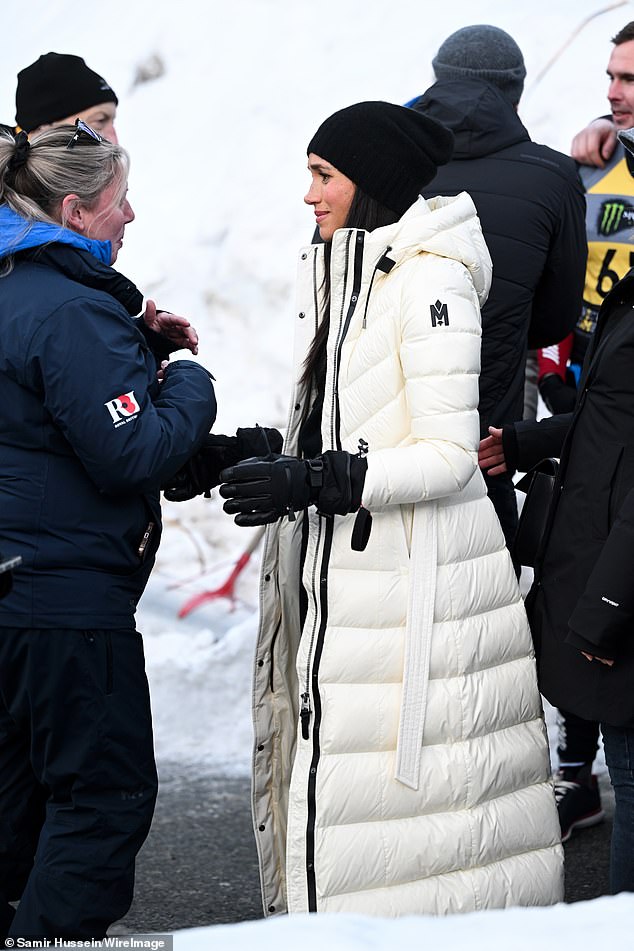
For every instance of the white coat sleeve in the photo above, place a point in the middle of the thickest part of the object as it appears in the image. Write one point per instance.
(440, 335)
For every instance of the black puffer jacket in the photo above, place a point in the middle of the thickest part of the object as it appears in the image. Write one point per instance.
(583, 596)
(531, 206)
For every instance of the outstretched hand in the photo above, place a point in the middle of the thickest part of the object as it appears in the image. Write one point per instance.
(261, 490)
(176, 329)
(491, 453)
(202, 472)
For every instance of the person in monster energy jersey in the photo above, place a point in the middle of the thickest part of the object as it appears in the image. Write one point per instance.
(607, 171)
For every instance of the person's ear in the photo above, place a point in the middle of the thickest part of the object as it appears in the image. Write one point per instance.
(73, 213)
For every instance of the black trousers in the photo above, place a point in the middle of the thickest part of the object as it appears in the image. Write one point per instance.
(578, 739)
(501, 491)
(78, 779)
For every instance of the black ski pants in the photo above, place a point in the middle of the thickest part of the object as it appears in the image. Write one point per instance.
(78, 779)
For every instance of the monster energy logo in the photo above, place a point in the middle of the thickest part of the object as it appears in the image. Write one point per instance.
(614, 216)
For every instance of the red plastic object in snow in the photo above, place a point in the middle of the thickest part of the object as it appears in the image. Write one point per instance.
(227, 589)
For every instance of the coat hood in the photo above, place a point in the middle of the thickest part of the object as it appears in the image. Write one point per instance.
(449, 227)
(482, 119)
(19, 234)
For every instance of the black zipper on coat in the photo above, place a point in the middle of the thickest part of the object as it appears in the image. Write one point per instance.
(315, 292)
(344, 324)
(305, 710)
(381, 265)
(318, 635)
(312, 776)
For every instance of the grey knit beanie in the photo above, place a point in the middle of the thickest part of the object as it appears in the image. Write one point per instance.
(483, 52)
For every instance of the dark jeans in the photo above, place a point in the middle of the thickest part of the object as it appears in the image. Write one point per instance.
(77, 778)
(618, 743)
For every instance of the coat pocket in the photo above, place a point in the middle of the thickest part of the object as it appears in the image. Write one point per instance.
(407, 517)
(605, 480)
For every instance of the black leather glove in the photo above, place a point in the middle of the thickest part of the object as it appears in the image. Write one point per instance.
(202, 472)
(559, 396)
(260, 491)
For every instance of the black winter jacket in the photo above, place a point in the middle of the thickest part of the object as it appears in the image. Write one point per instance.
(583, 595)
(87, 435)
(532, 209)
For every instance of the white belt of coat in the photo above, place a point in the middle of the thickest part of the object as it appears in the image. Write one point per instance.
(418, 633)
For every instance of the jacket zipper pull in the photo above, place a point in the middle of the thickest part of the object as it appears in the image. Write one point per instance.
(304, 715)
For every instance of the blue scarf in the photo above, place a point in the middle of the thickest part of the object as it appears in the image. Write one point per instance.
(18, 234)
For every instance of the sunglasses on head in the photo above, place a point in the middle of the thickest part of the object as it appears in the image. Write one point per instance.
(83, 131)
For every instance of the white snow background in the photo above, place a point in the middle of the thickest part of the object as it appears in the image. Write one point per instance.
(217, 104)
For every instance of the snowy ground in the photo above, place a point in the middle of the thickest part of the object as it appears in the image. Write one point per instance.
(585, 926)
(217, 103)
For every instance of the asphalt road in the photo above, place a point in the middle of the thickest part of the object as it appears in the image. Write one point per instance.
(199, 867)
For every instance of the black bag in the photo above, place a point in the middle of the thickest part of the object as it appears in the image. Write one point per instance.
(538, 484)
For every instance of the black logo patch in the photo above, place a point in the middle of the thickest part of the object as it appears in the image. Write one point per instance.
(615, 216)
(439, 314)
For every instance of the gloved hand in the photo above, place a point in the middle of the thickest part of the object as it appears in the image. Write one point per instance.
(260, 491)
(202, 472)
(559, 396)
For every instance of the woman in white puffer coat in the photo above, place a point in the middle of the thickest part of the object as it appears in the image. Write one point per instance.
(401, 763)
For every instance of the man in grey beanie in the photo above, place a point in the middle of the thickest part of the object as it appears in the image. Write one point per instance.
(531, 206)
(483, 52)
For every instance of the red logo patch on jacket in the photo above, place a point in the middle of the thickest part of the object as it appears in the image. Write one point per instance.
(123, 408)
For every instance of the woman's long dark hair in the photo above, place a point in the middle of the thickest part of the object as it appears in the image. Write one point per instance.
(365, 213)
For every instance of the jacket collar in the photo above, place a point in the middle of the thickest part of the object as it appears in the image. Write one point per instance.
(19, 234)
(448, 227)
(482, 119)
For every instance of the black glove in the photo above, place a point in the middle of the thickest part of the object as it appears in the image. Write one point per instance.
(260, 491)
(202, 472)
(559, 396)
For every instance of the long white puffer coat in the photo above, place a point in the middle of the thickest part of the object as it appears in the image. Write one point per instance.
(420, 783)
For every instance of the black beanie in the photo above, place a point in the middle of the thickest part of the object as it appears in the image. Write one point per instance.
(389, 151)
(483, 52)
(57, 85)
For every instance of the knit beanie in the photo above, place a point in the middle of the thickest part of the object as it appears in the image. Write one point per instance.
(389, 151)
(483, 52)
(57, 85)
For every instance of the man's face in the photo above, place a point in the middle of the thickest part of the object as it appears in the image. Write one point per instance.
(101, 118)
(621, 89)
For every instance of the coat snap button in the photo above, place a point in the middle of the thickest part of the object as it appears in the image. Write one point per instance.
(304, 256)
(271, 908)
(260, 747)
(260, 663)
(262, 827)
(301, 315)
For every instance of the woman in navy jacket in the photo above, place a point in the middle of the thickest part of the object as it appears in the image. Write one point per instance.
(91, 424)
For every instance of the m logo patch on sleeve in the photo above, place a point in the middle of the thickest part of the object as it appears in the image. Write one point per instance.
(439, 314)
(123, 408)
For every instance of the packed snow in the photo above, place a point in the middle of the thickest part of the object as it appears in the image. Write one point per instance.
(217, 104)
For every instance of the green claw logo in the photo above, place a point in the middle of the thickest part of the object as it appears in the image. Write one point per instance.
(611, 217)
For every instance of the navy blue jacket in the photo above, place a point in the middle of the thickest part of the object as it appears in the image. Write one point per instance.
(87, 435)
